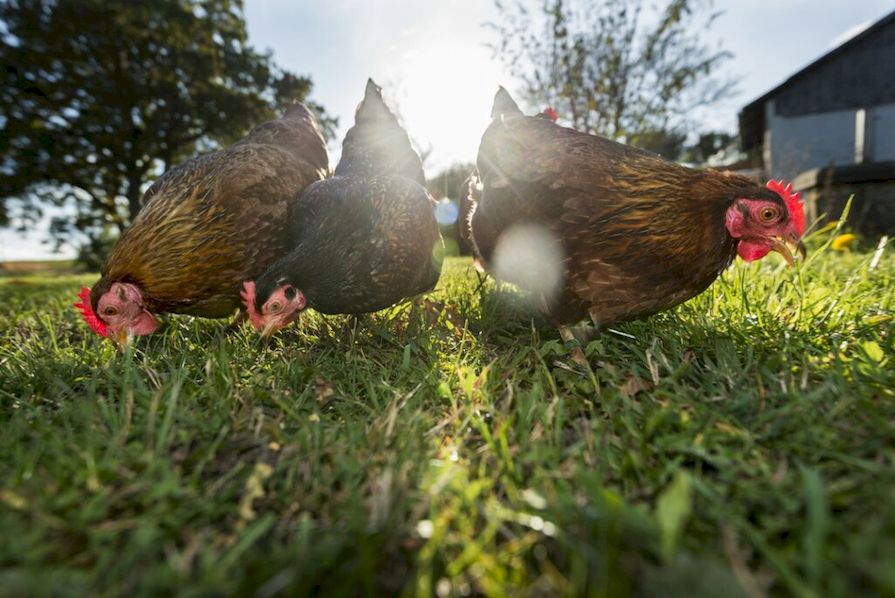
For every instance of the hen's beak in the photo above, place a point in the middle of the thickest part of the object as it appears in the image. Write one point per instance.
(269, 328)
(782, 246)
(120, 338)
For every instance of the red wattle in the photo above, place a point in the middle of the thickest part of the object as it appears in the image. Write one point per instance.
(248, 299)
(751, 250)
(93, 321)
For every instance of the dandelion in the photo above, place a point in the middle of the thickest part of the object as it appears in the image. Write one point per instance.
(844, 242)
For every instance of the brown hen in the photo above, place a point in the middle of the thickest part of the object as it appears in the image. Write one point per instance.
(206, 226)
(600, 229)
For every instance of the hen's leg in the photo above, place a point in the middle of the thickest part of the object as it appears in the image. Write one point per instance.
(573, 346)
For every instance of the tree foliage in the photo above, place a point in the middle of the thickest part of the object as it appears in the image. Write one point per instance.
(669, 144)
(709, 145)
(100, 96)
(611, 67)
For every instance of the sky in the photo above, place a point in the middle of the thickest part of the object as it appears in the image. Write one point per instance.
(431, 59)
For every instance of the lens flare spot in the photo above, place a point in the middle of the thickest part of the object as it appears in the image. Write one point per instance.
(531, 257)
(446, 212)
(425, 528)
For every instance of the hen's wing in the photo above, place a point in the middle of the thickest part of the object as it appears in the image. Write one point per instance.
(364, 243)
(514, 177)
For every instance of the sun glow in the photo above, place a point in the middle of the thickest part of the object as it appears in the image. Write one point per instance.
(430, 58)
(443, 92)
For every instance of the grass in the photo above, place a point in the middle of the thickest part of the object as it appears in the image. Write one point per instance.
(741, 444)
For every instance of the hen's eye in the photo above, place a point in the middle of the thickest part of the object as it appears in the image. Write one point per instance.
(110, 311)
(768, 214)
(290, 293)
(274, 307)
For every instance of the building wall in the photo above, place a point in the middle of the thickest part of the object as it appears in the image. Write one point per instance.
(800, 143)
(883, 118)
(857, 74)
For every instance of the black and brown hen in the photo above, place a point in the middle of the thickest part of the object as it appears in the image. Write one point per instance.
(365, 239)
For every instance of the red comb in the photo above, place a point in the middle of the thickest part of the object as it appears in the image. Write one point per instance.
(96, 325)
(796, 210)
(248, 298)
(550, 113)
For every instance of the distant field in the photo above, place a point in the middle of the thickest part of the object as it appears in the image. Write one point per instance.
(740, 445)
(38, 268)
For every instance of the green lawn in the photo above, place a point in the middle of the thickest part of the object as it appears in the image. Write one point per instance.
(741, 444)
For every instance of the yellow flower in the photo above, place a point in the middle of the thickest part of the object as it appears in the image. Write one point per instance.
(844, 242)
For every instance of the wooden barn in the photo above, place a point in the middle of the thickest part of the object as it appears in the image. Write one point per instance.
(830, 128)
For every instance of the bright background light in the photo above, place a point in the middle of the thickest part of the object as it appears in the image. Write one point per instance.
(430, 58)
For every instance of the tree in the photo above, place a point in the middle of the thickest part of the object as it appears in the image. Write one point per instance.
(611, 68)
(711, 144)
(668, 144)
(100, 96)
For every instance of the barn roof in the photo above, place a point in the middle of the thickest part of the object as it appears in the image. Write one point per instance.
(752, 116)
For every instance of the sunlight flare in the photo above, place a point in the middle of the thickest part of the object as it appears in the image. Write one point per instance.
(530, 256)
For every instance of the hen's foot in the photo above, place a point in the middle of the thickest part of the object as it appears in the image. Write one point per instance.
(576, 354)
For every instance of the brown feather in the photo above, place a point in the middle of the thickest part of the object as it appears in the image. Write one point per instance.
(217, 220)
(639, 234)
